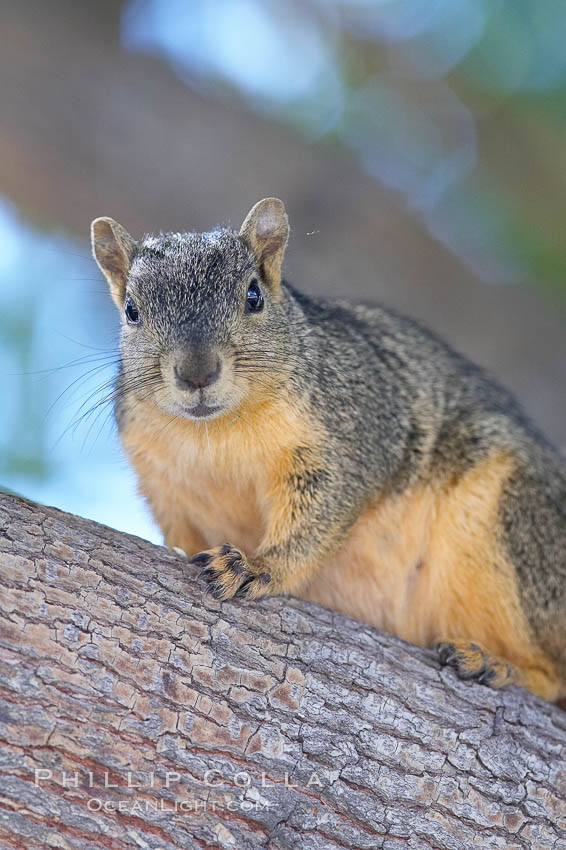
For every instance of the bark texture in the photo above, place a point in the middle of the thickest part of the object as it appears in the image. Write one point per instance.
(135, 714)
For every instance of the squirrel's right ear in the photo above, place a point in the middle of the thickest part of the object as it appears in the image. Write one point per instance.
(113, 250)
(266, 228)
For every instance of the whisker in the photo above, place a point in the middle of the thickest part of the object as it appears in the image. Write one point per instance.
(97, 410)
(119, 390)
(81, 377)
(173, 418)
(80, 361)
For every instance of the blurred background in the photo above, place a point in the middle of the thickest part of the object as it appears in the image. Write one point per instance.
(419, 146)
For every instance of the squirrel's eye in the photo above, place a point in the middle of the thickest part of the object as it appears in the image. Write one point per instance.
(132, 312)
(254, 298)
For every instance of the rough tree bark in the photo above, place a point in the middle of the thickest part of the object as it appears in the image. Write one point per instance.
(276, 724)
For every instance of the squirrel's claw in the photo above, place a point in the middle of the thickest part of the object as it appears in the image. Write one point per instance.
(227, 573)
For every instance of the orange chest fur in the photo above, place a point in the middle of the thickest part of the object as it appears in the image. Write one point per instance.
(212, 484)
(198, 506)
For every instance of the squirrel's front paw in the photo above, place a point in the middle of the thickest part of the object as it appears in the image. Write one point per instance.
(471, 661)
(228, 573)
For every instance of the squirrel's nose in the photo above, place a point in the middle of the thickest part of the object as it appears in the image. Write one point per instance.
(190, 376)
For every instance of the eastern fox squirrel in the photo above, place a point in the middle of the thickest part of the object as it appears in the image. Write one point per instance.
(346, 453)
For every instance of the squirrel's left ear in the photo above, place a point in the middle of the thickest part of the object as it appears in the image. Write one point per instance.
(113, 250)
(266, 228)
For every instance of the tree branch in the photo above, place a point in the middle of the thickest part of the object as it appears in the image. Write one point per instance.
(133, 714)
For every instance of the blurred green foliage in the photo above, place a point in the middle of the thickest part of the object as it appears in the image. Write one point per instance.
(460, 105)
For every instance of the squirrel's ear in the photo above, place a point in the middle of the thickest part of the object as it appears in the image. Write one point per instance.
(266, 228)
(113, 250)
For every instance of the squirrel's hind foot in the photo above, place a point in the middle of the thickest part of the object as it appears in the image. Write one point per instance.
(227, 573)
(472, 661)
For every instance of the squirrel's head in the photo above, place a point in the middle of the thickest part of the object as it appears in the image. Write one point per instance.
(202, 316)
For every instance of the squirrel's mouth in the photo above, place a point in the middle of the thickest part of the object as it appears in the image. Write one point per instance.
(202, 411)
